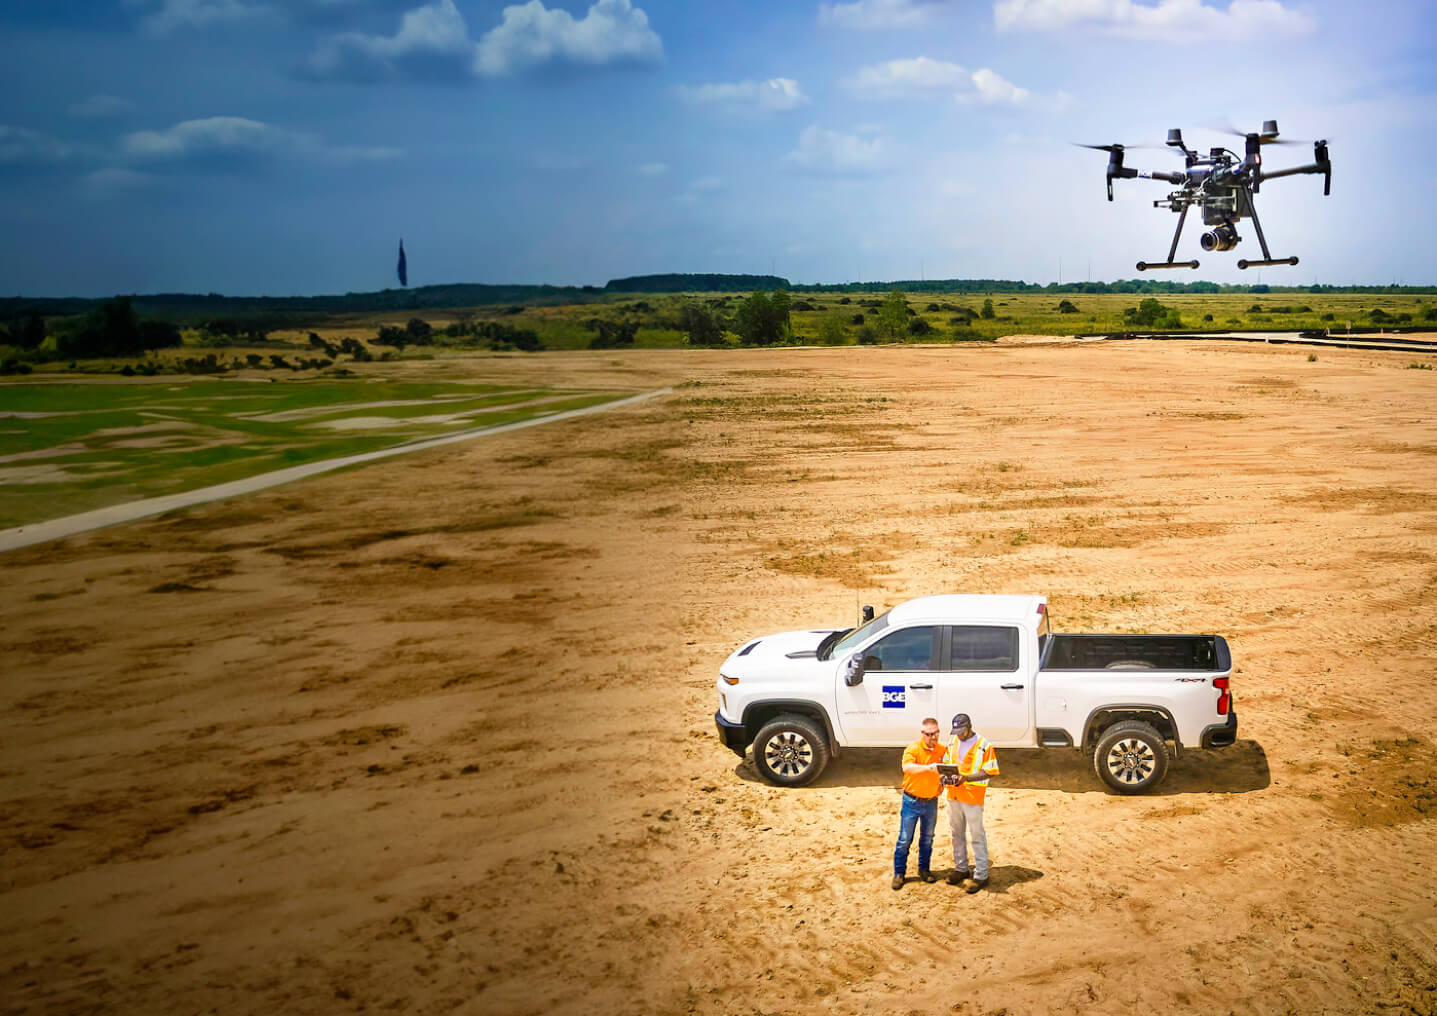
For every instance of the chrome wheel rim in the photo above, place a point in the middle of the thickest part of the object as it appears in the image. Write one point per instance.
(1131, 761)
(788, 754)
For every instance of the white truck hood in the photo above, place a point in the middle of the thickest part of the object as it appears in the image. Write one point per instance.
(775, 655)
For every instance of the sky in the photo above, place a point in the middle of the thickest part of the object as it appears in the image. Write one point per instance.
(284, 147)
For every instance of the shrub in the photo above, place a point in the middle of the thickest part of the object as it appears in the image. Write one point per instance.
(987, 311)
(1067, 307)
(831, 331)
(919, 326)
(857, 319)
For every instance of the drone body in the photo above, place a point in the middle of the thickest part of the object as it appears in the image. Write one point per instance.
(1223, 186)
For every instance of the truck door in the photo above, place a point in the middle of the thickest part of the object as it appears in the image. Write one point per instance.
(985, 676)
(899, 689)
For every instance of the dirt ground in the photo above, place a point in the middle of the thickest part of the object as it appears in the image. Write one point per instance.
(436, 734)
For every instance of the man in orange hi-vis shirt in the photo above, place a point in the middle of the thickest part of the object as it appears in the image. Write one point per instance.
(977, 763)
(921, 787)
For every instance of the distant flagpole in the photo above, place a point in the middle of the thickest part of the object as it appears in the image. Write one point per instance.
(403, 265)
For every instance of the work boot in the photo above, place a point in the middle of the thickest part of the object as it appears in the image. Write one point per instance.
(898, 881)
(976, 884)
(956, 877)
(927, 876)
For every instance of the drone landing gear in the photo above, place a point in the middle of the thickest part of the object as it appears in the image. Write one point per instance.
(1172, 251)
(1267, 258)
(1242, 263)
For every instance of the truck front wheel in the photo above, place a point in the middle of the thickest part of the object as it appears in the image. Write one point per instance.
(790, 751)
(1131, 757)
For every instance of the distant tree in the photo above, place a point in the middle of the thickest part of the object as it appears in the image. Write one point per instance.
(893, 314)
(831, 330)
(987, 312)
(392, 335)
(420, 333)
(1067, 307)
(159, 335)
(919, 326)
(703, 325)
(762, 319)
(781, 307)
(29, 332)
(114, 329)
(612, 334)
(1152, 314)
(857, 319)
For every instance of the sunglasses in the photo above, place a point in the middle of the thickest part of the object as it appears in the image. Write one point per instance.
(929, 733)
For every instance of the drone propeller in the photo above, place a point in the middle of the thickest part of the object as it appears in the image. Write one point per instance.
(1119, 148)
(1266, 136)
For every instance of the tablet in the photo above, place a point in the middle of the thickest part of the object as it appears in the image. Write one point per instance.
(944, 769)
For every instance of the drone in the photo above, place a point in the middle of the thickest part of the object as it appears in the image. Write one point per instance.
(1223, 186)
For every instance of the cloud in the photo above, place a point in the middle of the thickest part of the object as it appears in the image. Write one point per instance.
(827, 151)
(922, 77)
(1190, 21)
(654, 169)
(706, 185)
(993, 90)
(175, 14)
(21, 146)
(95, 107)
(899, 79)
(531, 36)
(773, 95)
(233, 137)
(104, 182)
(870, 14)
(432, 41)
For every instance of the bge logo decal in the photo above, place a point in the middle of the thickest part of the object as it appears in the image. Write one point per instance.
(894, 696)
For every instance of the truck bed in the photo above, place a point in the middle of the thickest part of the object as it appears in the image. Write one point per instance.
(1205, 653)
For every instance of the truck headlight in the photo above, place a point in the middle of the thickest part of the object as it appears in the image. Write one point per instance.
(728, 680)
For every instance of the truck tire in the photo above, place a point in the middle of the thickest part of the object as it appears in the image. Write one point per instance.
(790, 751)
(1131, 757)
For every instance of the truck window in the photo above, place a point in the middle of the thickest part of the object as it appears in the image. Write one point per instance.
(981, 647)
(905, 649)
(857, 636)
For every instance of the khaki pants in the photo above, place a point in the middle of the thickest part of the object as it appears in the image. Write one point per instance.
(970, 817)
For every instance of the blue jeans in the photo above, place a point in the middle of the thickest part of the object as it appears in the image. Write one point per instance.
(916, 812)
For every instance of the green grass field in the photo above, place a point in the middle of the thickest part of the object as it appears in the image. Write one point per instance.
(70, 448)
(562, 327)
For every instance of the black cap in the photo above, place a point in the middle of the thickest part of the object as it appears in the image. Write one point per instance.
(961, 720)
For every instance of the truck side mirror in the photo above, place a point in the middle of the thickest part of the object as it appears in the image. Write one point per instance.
(867, 613)
(853, 671)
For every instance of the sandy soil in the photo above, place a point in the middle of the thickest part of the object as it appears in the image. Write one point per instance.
(436, 734)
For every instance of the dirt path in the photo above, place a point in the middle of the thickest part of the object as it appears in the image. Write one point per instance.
(437, 737)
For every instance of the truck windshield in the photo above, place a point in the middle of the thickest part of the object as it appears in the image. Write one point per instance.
(846, 644)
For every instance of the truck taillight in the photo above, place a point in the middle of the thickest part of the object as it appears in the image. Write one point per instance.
(1224, 699)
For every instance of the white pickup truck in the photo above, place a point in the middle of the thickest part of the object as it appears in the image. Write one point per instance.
(798, 697)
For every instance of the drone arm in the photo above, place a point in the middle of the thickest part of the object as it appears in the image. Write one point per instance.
(1321, 164)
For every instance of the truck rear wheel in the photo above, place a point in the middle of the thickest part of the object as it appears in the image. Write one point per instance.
(790, 751)
(1131, 757)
